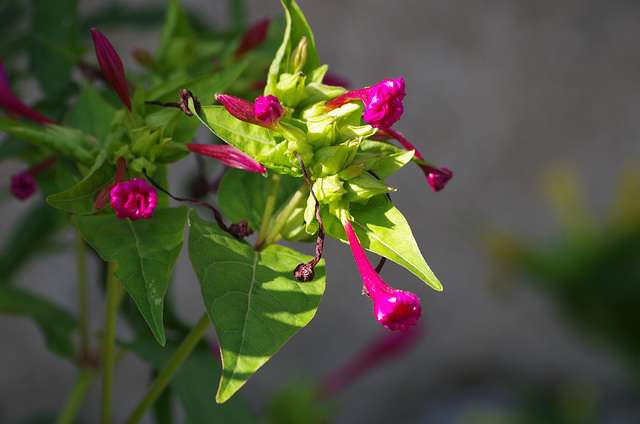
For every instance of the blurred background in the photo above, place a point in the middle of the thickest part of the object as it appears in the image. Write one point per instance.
(532, 105)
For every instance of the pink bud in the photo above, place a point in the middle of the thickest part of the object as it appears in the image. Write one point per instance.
(382, 102)
(111, 66)
(11, 103)
(394, 309)
(134, 199)
(228, 155)
(254, 36)
(268, 109)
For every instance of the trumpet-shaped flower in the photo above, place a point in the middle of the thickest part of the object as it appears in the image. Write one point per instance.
(134, 199)
(111, 66)
(228, 155)
(382, 102)
(12, 104)
(394, 309)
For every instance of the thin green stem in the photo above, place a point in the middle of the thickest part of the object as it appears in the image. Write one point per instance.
(273, 233)
(237, 13)
(114, 295)
(77, 395)
(165, 376)
(83, 299)
(268, 211)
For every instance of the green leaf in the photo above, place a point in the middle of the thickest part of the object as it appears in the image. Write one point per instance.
(56, 324)
(243, 195)
(91, 114)
(81, 197)
(382, 229)
(53, 50)
(195, 383)
(145, 250)
(252, 298)
(296, 28)
(64, 141)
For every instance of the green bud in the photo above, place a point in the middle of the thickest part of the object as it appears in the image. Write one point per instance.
(143, 140)
(290, 90)
(350, 172)
(300, 55)
(364, 186)
(321, 130)
(328, 189)
(333, 159)
(310, 220)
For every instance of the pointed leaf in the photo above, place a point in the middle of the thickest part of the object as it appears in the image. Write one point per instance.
(382, 229)
(56, 324)
(81, 197)
(145, 250)
(252, 298)
(296, 28)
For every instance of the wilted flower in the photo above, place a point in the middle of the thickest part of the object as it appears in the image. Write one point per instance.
(394, 309)
(228, 155)
(12, 104)
(382, 102)
(111, 66)
(134, 199)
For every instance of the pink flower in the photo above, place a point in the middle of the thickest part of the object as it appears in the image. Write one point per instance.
(228, 155)
(111, 66)
(394, 309)
(382, 102)
(265, 112)
(23, 186)
(134, 199)
(254, 36)
(268, 109)
(11, 103)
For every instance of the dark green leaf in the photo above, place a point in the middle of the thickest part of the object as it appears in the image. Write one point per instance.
(145, 250)
(91, 114)
(56, 324)
(252, 298)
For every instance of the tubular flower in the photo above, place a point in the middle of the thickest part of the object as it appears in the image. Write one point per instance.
(268, 109)
(265, 112)
(382, 102)
(228, 155)
(12, 104)
(111, 66)
(394, 309)
(134, 199)
(23, 185)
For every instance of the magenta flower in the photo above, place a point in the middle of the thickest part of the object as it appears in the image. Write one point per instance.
(382, 102)
(265, 112)
(12, 104)
(111, 66)
(23, 185)
(268, 109)
(228, 155)
(254, 36)
(394, 309)
(134, 199)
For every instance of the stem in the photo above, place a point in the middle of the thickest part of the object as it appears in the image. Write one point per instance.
(284, 214)
(83, 302)
(114, 292)
(161, 381)
(237, 13)
(268, 211)
(77, 395)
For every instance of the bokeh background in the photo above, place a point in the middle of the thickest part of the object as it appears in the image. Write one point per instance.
(499, 91)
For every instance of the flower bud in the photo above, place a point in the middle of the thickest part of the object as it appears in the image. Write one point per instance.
(23, 186)
(228, 155)
(300, 55)
(111, 66)
(268, 109)
(12, 104)
(254, 36)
